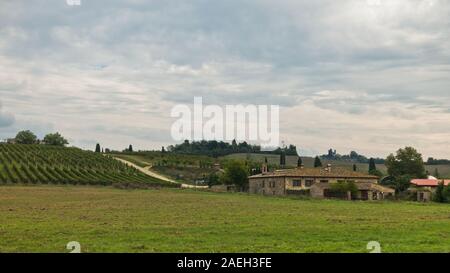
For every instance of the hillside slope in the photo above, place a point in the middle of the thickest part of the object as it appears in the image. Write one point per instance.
(59, 165)
(291, 161)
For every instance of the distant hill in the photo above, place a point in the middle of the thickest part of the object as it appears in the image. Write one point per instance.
(219, 148)
(291, 161)
(46, 164)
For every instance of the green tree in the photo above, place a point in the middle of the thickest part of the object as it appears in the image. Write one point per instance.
(234, 145)
(355, 168)
(236, 173)
(407, 164)
(436, 173)
(26, 137)
(98, 149)
(344, 187)
(317, 162)
(372, 166)
(55, 139)
(283, 158)
(440, 195)
(407, 161)
(299, 162)
(130, 148)
(213, 179)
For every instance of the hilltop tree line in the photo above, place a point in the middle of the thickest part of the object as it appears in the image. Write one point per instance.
(28, 137)
(219, 148)
(433, 161)
(351, 157)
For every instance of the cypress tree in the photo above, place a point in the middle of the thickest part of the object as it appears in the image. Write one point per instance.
(372, 166)
(130, 148)
(283, 158)
(317, 162)
(436, 173)
(299, 162)
(439, 195)
(98, 148)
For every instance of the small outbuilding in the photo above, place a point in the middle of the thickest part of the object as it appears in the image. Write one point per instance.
(423, 189)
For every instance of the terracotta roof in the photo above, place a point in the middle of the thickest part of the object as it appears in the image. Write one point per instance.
(335, 172)
(429, 182)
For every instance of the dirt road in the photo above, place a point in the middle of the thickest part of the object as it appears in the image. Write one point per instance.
(147, 171)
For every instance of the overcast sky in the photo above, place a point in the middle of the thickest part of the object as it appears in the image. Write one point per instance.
(370, 76)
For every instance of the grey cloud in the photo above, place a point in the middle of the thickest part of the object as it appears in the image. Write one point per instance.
(93, 65)
(6, 119)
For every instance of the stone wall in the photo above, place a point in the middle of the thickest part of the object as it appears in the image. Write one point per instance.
(279, 185)
(267, 186)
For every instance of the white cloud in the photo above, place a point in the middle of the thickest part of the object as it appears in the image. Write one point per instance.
(347, 74)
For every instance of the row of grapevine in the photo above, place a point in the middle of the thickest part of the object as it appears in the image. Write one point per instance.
(33, 164)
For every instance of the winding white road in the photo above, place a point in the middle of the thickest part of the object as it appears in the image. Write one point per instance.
(147, 171)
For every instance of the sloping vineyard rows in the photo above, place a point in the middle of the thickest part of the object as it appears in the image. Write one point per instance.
(59, 165)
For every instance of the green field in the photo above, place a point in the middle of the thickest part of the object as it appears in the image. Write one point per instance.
(44, 164)
(45, 218)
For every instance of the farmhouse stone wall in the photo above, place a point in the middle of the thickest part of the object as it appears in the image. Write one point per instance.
(279, 185)
(268, 186)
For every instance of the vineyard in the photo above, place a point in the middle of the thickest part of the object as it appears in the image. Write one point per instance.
(59, 165)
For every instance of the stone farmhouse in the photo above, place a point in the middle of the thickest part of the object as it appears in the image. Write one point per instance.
(316, 183)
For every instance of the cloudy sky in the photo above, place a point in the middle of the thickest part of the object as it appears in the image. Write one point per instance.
(370, 76)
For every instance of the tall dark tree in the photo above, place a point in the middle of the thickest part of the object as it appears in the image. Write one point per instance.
(130, 148)
(436, 173)
(234, 145)
(355, 168)
(317, 162)
(299, 162)
(372, 166)
(163, 150)
(283, 159)
(439, 195)
(98, 149)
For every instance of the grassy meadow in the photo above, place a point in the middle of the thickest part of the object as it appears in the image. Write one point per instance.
(45, 218)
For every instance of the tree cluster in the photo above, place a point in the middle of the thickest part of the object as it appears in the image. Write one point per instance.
(28, 137)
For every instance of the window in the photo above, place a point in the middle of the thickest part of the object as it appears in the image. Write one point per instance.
(297, 183)
(309, 182)
(323, 181)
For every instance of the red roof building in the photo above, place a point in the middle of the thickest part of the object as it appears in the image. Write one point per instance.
(429, 182)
